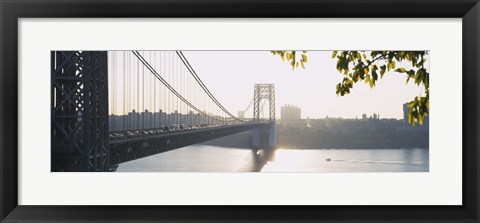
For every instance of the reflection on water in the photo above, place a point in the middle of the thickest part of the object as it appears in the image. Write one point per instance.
(202, 158)
(197, 158)
(348, 160)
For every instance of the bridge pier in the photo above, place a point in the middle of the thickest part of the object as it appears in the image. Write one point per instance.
(256, 139)
(265, 138)
(272, 135)
(264, 141)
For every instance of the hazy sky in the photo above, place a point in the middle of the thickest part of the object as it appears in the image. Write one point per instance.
(230, 76)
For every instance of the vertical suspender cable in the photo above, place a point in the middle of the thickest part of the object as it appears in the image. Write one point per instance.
(124, 93)
(114, 90)
(129, 106)
(155, 93)
(138, 96)
(143, 96)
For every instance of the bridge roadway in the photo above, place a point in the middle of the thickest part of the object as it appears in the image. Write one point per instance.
(131, 148)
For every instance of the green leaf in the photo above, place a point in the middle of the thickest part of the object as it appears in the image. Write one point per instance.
(374, 75)
(382, 70)
(334, 53)
(358, 56)
(409, 116)
(411, 104)
(304, 57)
(420, 119)
(401, 70)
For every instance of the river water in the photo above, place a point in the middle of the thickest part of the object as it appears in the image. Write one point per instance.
(204, 158)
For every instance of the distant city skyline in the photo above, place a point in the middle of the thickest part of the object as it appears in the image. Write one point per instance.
(231, 75)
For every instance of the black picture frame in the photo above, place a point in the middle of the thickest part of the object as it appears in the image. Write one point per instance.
(12, 10)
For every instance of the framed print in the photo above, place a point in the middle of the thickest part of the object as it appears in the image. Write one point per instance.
(239, 111)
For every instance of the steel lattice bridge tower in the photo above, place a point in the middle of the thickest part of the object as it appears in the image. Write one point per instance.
(89, 133)
(264, 92)
(79, 111)
(267, 92)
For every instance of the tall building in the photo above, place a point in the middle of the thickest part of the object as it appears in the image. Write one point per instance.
(290, 113)
(241, 114)
(405, 113)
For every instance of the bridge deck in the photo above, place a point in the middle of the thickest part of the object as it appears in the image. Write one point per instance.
(127, 149)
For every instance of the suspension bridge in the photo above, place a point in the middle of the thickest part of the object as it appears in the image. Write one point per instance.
(117, 106)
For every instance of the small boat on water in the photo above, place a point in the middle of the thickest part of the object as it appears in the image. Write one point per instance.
(328, 159)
